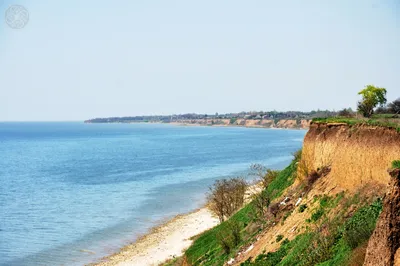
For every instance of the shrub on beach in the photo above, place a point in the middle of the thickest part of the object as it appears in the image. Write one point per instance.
(226, 196)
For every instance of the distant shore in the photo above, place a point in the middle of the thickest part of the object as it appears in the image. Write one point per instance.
(250, 123)
(164, 242)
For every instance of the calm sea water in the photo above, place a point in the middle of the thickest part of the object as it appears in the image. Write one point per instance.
(71, 193)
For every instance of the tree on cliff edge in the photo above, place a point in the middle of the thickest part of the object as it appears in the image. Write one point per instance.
(371, 97)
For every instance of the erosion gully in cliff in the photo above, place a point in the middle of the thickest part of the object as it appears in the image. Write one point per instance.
(384, 244)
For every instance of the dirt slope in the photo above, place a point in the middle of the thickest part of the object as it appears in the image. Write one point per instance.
(385, 241)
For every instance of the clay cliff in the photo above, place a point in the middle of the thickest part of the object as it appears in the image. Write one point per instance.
(357, 155)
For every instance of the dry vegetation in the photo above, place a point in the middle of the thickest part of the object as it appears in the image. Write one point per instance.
(226, 196)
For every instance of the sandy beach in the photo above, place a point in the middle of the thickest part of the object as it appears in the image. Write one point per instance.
(170, 239)
(163, 242)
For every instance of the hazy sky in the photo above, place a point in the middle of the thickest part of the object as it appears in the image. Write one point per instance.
(80, 59)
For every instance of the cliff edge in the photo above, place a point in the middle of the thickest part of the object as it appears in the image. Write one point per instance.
(357, 155)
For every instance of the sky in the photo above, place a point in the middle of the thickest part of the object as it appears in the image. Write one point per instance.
(76, 60)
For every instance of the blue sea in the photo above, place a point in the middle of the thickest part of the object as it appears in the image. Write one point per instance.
(71, 193)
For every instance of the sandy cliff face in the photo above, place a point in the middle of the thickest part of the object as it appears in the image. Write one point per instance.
(357, 155)
(383, 246)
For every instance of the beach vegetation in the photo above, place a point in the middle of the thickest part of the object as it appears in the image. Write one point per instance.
(230, 236)
(208, 249)
(263, 175)
(260, 202)
(226, 196)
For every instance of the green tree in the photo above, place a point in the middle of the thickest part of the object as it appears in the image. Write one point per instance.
(371, 97)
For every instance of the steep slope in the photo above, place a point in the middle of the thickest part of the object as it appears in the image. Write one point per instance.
(357, 155)
(383, 247)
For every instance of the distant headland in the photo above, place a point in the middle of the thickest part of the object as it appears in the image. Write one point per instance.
(271, 119)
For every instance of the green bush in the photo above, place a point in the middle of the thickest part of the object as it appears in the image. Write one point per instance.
(284, 179)
(315, 216)
(302, 207)
(287, 214)
(359, 228)
(396, 164)
(279, 238)
(207, 249)
(271, 258)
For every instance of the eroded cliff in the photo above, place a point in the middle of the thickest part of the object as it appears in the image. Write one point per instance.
(383, 247)
(357, 155)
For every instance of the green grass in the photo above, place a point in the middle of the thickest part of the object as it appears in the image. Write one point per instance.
(354, 121)
(302, 207)
(385, 116)
(315, 216)
(361, 225)
(271, 258)
(284, 179)
(396, 164)
(313, 248)
(206, 250)
(325, 203)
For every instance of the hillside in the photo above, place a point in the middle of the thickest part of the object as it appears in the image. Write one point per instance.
(323, 207)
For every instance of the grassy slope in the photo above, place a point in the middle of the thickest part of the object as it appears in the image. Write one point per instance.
(313, 248)
(206, 249)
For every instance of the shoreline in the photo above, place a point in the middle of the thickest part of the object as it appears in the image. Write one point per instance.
(163, 242)
(169, 239)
